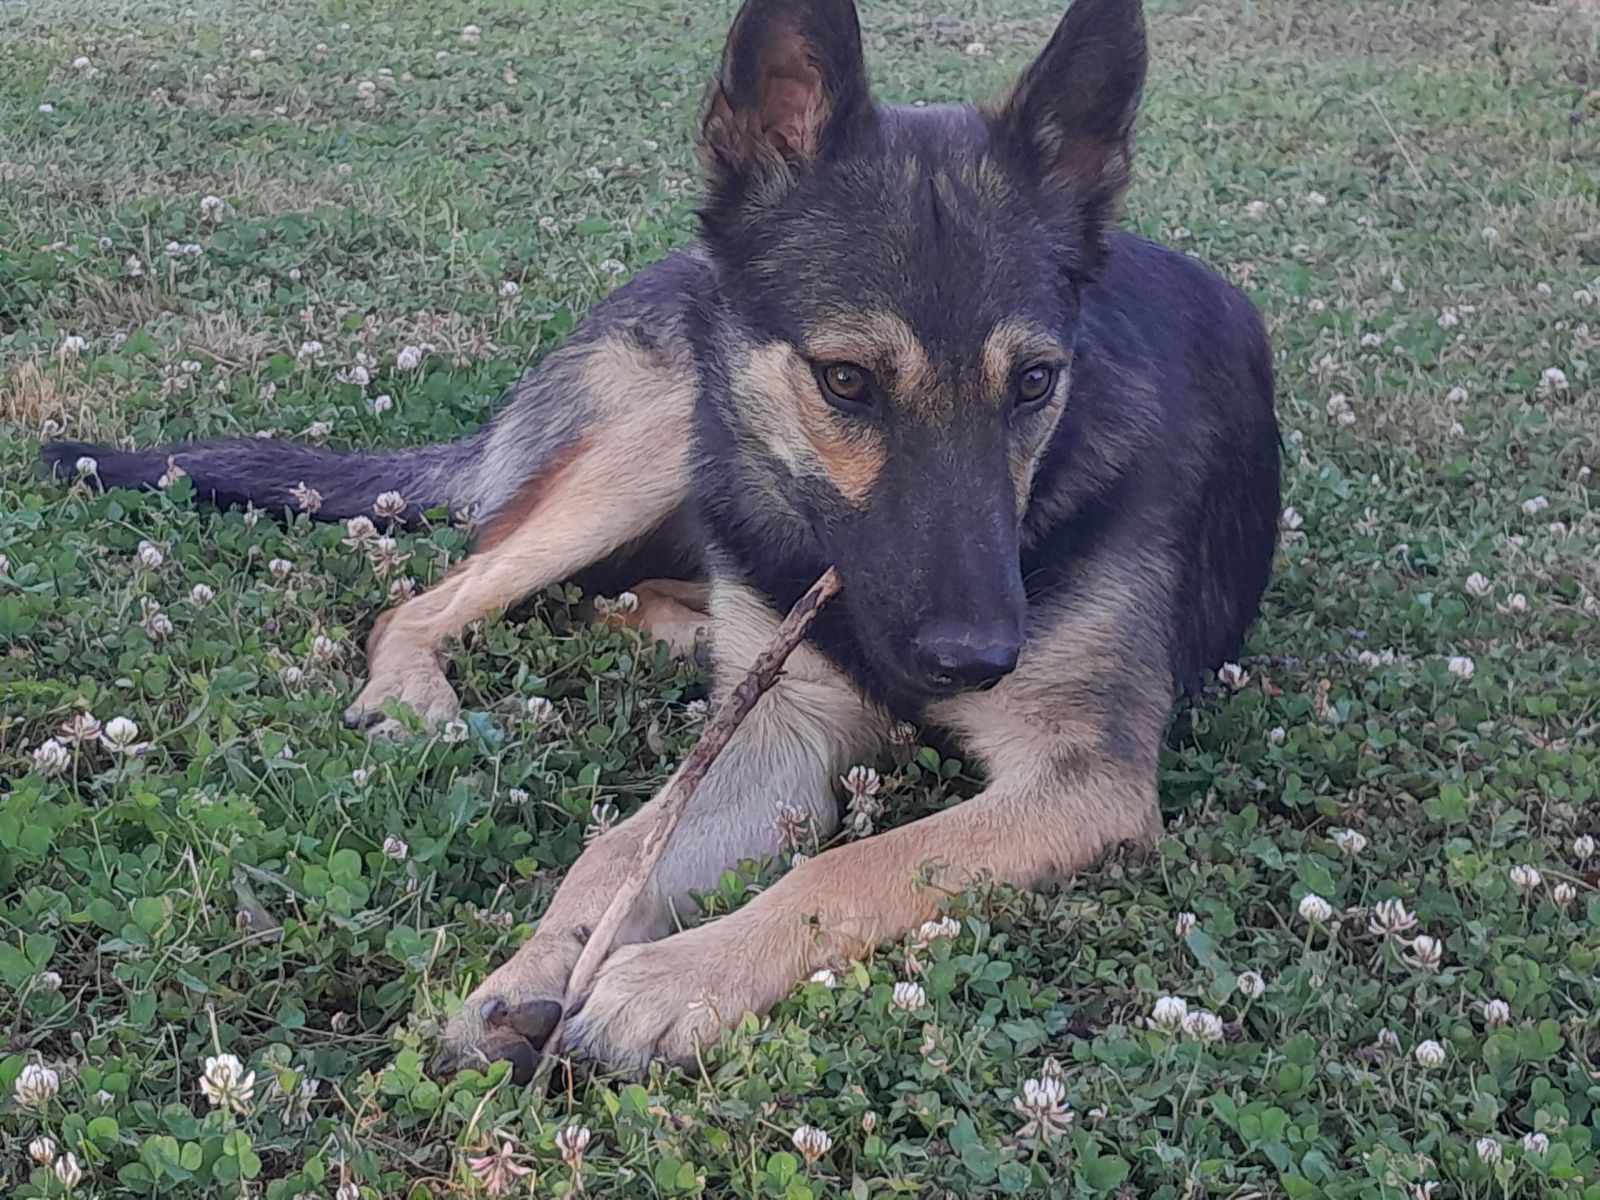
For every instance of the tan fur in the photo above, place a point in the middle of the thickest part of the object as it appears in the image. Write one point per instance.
(1057, 800)
(602, 498)
(788, 416)
(673, 611)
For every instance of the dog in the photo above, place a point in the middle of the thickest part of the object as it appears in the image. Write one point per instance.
(911, 343)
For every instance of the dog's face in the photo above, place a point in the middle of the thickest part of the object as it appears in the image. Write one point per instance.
(902, 288)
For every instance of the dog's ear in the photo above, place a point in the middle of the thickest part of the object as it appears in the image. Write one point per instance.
(1068, 124)
(790, 91)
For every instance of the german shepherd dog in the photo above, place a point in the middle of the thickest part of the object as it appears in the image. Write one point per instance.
(910, 343)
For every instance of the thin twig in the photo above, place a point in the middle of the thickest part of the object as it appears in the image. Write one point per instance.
(669, 809)
(1399, 145)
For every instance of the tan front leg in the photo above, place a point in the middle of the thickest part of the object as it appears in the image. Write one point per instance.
(801, 735)
(625, 474)
(663, 999)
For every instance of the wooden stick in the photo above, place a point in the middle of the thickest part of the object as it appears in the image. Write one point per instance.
(675, 800)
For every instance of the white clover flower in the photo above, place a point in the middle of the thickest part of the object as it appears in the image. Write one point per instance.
(1456, 395)
(36, 1086)
(389, 504)
(381, 404)
(1535, 1143)
(932, 931)
(1043, 1104)
(226, 1084)
(150, 556)
(50, 757)
(409, 358)
(909, 996)
(975, 50)
(1185, 924)
(1390, 918)
(402, 590)
(1291, 519)
(1449, 319)
(310, 348)
(861, 781)
(1339, 409)
(72, 345)
(213, 208)
(257, 54)
(358, 531)
(1535, 505)
(280, 568)
(812, 1143)
(539, 709)
(1251, 985)
(357, 375)
(1425, 952)
(1233, 675)
(359, 776)
(366, 89)
(825, 977)
(1553, 379)
(121, 735)
(1583, 847)
(1256, 209)
(395, 848)
(470, 34)
(86, 465)
(1488, 1150)
(292, 676)
(549, 225)
(1429, 1054)
(348, 1190)
(1371, 341)
(572, 1142)
(1277, 735)
(1315, 909)
(47, 108)
(453, 733)
(498, 1171)
(82, 63)
(613, 266)
(324, 649)
(1350, 841)
(1203, 1026)
(1496, 1013)
(1478, 585)
(1489, 233)
(1168, 1013)
(1516, 603)
(50, 981)
(1563, 894)
(133, 267)
(68, 1172)
(510, 289)
(1461, 666)
(1526, 878)
(1388, 1041)
(42, 1150)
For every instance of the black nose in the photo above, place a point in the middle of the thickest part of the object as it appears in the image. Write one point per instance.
(957, 658)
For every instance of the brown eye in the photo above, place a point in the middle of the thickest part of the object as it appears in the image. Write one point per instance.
(846, 382)
(1035, 384)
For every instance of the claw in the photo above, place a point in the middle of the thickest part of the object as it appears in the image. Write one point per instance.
(513, 1033)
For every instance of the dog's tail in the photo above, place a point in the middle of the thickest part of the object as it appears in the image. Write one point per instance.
(276, 476)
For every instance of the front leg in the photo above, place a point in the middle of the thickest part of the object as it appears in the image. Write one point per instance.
(799, 737)
(1070, 741)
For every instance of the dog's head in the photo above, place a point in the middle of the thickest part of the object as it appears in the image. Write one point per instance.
(898, 295)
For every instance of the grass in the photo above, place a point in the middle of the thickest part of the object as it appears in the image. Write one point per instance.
(1408, 191)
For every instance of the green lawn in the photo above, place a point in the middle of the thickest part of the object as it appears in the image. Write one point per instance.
(1408, 190)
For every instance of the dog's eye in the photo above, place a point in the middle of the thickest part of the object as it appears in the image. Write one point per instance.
(845, 382)
(1034, 384)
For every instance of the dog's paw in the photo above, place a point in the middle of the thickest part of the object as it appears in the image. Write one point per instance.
(511, 1014)
(663, 1000)
(422, 686)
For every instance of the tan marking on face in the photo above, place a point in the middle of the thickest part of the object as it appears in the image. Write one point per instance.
(779, 398)
(1012, 345)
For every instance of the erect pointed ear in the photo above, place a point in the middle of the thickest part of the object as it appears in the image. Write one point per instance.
(1068, 124)
(792, 84)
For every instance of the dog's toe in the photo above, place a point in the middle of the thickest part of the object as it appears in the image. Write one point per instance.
(495, 1029)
